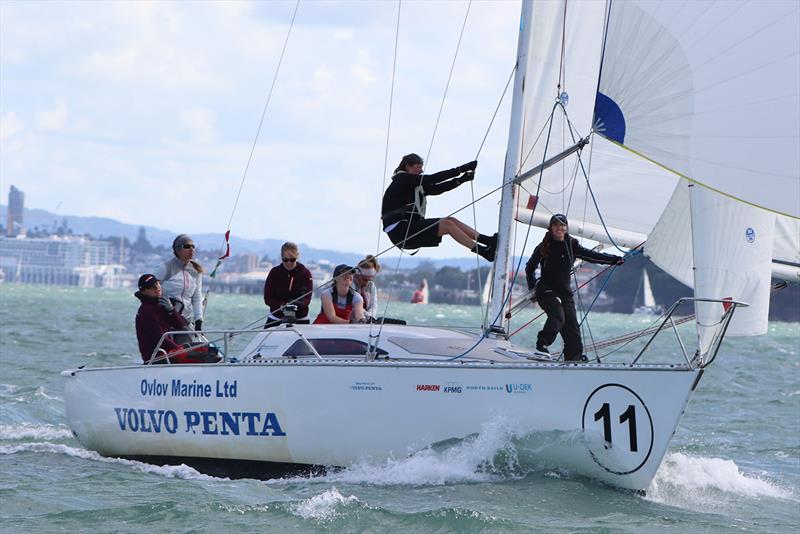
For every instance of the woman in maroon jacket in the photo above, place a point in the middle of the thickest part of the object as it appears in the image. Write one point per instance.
(156, 315)
(288, 283)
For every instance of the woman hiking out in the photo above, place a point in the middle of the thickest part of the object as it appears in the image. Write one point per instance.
(403, 209)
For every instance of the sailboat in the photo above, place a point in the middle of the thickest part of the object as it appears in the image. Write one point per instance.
(649, 306)
(687, 130)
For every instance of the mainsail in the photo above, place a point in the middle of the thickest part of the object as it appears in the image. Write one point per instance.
(675, 94)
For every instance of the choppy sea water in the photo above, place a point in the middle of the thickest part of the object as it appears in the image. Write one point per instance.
(734, 463)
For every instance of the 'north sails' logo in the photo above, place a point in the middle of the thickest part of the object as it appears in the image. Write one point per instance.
(750, 235)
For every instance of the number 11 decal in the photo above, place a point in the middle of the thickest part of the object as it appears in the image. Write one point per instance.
(628, 415)
(612, 411)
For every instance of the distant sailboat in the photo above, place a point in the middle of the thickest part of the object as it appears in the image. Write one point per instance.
(649, 306)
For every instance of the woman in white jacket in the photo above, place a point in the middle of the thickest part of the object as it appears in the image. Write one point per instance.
(182, 280)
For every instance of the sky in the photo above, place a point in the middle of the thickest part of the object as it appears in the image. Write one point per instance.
(146, 112)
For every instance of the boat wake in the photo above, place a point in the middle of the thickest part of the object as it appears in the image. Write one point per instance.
(697, 482)
(168, 471)
(499, 452)
(33, 431)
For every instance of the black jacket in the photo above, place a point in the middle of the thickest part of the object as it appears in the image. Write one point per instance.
(398, 200)
(557, 265)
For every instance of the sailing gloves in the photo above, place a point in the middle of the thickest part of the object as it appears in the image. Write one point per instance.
(466, 177)
(166, 304)
(471, 166)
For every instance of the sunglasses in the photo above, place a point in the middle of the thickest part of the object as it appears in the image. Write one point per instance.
(289, 260)
(188, 246)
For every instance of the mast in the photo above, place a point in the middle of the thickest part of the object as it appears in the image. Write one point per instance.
(502, 261)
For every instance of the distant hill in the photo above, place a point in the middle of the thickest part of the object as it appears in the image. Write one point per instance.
(105, 227)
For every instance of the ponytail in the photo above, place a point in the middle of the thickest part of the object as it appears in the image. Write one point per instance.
(545, 250)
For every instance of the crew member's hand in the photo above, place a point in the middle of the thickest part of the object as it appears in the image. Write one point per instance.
(166, 304)
(468, 166)
(467, 177)
(620, 261)
(198, 325)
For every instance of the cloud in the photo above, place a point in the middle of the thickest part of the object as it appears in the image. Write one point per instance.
(200, 122)
(10, 125)
(53, 120)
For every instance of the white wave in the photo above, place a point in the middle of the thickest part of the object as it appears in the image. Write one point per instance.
(170, 471)
(689, 481)
(323, 507)
(8, 389)
(41, 393)
(471, 460)
(32, 431)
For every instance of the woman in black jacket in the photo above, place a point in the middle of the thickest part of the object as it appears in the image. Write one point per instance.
(403, 209)
(556, 255)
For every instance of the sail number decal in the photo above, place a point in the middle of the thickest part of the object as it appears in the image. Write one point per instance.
(618, 429)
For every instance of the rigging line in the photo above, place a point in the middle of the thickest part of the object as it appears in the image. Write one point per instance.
(496, 109)
(507, 296)
(263, 114)
(607, 23)
(589, 188)
(430, 147)
(587, 282)
(563, 48)
(449, 77)
(386, 150)
(472, 188)
(389, 120)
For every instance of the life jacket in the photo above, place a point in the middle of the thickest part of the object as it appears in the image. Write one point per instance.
(413, 210)
(341, 312)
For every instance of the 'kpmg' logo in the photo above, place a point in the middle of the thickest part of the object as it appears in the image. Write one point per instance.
(750, 235)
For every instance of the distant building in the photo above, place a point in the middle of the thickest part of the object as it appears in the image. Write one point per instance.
(60, 261)
(15, 212)
(242, 263)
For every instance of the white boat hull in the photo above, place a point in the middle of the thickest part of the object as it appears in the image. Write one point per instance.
(340, 412)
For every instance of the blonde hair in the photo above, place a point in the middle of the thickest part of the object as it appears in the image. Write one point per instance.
(290, 247)
(370, 262)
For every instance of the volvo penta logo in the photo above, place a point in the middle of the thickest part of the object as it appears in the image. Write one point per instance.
(750, 235)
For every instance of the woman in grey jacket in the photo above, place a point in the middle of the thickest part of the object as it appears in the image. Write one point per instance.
(182, 280)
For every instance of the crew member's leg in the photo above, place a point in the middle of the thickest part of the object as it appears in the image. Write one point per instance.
(468, 237)
(459, 231)
(548, 301)
(571, 331)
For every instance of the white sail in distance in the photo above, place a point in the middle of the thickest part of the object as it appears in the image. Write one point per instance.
(679, 92)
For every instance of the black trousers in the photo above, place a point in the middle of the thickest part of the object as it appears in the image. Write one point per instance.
(561, 319)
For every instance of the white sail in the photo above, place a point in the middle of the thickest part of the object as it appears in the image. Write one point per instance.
(683, 84)
(683, 93)
(733, 256)
(647, 291)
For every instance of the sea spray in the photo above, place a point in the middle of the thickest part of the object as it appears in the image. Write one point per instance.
(323, 507)
(697, 482)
